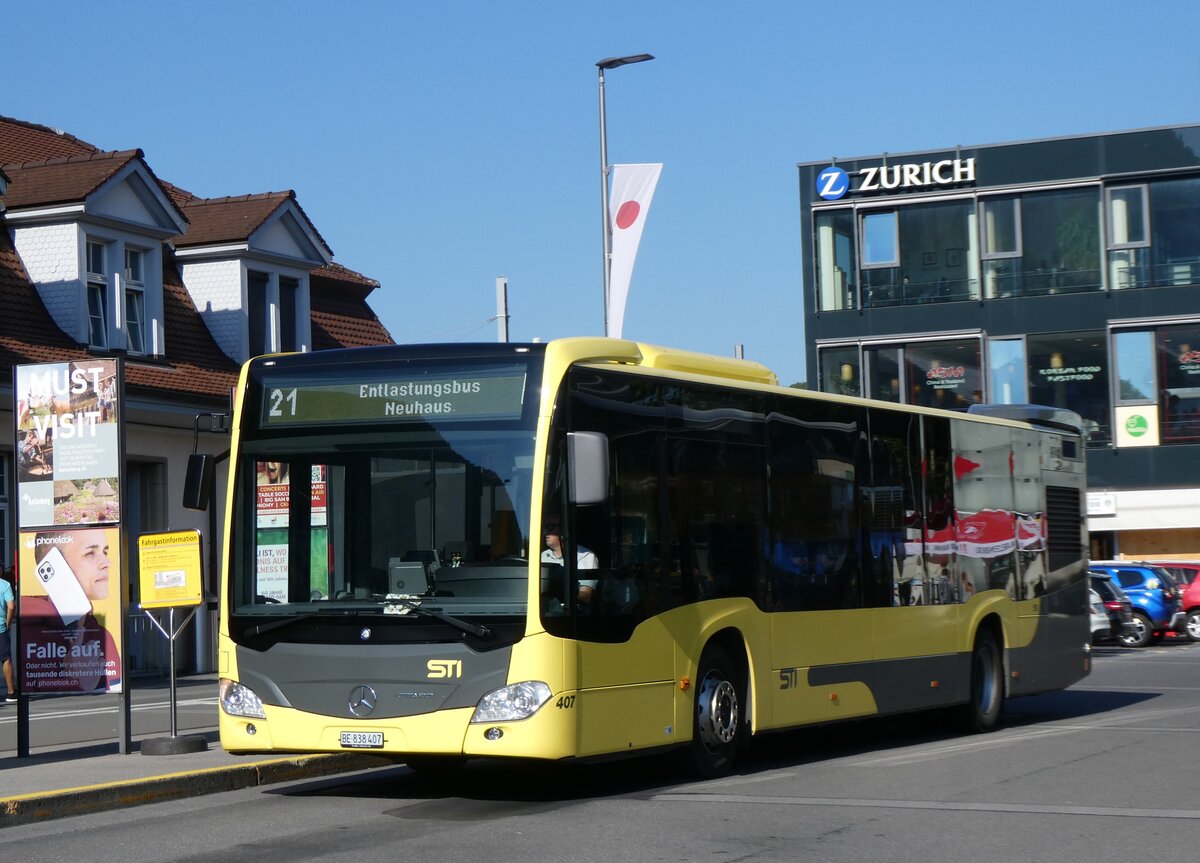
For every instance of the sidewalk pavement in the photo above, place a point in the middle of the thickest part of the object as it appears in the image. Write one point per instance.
(75, 779)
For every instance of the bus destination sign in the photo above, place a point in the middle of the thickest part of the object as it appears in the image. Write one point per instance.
(472, 394)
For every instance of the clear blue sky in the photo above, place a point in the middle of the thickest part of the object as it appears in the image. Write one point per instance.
(438, 145)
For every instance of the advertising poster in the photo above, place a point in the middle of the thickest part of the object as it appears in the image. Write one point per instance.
(273, 515)
(68, 447)
(70, 610)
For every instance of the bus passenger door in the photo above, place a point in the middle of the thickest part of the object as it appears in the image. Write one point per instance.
(624, 656)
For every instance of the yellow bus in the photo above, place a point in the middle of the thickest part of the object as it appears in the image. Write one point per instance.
(597, 547)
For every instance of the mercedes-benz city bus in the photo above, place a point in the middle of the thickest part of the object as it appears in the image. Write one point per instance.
(595, 547)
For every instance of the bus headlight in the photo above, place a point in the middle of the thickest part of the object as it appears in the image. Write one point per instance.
(238, 700)
(512, 703)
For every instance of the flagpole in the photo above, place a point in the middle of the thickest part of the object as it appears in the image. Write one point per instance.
(605, 227)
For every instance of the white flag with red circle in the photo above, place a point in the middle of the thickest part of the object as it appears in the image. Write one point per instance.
(632, 191)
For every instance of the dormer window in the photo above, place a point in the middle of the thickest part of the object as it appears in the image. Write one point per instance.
(135, 301)
(97, 294)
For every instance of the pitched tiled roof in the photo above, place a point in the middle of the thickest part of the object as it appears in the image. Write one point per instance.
(194, 366)
(334, 275)
(234, 219)
(62, 179)
(26, 142)
(49, 167)
(341, 317)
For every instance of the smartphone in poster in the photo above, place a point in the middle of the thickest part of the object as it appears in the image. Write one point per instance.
(67, 444)
(70, 610)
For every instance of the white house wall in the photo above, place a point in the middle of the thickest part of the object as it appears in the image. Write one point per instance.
(216, 289)
(121, 202)
(276, 238)
(51, 254)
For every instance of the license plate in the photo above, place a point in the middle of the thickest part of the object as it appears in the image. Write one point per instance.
(362, 739)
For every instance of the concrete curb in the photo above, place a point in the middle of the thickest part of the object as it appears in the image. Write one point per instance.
(45, 806)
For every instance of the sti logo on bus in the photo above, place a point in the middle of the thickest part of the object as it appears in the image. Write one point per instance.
(439, 669)
(832, 183)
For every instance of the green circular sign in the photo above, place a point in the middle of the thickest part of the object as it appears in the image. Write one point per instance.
(1136, 425)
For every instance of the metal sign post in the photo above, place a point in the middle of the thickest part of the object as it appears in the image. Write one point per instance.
(171, 577)
(175, 744)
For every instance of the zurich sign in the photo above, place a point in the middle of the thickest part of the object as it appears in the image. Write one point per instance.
(832, 183)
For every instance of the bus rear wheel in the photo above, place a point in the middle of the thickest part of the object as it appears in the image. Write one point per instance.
(717, 719)
(987, 683)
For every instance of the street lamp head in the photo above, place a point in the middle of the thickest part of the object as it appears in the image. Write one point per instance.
(614, 62)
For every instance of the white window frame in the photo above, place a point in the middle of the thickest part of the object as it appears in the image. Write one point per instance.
(134, 300)
(865, 214)
(984, 253)
(1144, 243)
(97, 285)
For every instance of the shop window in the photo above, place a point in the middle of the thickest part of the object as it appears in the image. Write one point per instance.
(1178, 360)
(834, 245)
(1070, 370)
(885, 367)
(944, 374)
(1006, 372)
(841, 371)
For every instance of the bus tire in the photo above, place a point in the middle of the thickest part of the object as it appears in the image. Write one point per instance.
(987, 683)
(717, 720)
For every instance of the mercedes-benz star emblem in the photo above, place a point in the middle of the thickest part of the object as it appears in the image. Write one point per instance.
(365, 634)
(362, 700)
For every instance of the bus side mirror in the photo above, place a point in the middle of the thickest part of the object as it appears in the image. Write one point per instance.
(197, 485)
(587, 463)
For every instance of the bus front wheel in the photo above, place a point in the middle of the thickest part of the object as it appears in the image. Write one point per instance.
(987, 683)
(717, 719)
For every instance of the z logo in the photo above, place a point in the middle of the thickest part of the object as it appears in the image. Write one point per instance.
(440, 669)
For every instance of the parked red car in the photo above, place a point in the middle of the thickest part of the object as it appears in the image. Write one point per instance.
(1185, 573)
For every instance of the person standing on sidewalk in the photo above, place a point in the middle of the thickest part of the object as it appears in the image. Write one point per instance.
(7, 603)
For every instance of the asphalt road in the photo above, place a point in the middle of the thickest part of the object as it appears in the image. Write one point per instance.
(1097, 773)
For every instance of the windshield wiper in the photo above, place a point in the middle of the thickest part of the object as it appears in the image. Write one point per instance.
(284, 621)
(414, 607)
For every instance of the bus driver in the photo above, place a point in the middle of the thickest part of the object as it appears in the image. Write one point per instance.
(584, 559)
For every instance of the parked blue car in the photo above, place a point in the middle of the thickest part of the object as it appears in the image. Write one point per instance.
(1153, 595)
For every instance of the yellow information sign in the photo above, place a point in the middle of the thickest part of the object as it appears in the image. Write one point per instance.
(169, 564)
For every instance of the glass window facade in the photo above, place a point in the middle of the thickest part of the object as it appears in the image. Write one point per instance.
(944, 374)
(1071, 370)
(1178, 355)
(836, 270)
(840, 371)
(1006, 372)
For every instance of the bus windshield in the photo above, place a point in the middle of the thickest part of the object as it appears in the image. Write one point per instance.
(391, 523)
(384, 485)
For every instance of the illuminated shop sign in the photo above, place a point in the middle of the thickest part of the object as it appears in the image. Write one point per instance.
(834, 183)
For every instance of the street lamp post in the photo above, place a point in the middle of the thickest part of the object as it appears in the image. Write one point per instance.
(610, 63)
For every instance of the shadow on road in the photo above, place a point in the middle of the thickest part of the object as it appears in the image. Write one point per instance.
(484, 790)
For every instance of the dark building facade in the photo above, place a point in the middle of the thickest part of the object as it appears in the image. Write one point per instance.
(1062, 271)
